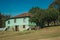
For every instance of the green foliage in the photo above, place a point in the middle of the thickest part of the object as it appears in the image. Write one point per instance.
(38, 16)
(41, 16)
(56, 4)
(51, 15)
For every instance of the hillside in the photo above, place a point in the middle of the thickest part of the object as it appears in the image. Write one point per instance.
(50, 33)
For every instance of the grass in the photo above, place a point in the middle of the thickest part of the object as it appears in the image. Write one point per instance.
(49, 33)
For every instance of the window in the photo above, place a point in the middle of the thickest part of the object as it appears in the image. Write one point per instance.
(24, 20)
(14, 20)
(23, 26)
(8, 22)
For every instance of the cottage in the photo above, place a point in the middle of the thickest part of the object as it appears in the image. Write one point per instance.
(19, 23)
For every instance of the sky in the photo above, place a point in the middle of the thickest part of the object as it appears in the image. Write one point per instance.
(15, 7)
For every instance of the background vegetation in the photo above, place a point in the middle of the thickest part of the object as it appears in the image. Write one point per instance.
(3, 18)
(46, 16)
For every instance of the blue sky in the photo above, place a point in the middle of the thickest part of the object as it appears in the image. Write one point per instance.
(15, 7)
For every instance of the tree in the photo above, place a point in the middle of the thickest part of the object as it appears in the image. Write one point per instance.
(51, 14)
(47, 17)
(56, 4)
(38, 16)
(2, 19)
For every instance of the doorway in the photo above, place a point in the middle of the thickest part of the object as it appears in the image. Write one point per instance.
(16, 28)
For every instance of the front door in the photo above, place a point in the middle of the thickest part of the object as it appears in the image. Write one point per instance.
(16, 28)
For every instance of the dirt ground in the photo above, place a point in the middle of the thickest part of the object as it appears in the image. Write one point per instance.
(52, 33)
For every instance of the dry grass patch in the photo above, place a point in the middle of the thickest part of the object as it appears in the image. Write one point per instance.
(49, 33)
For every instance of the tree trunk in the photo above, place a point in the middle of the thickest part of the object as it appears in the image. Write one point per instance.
(54, 23)
(48, 23)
